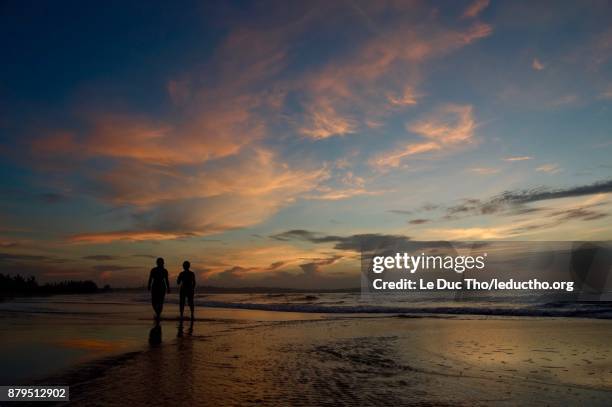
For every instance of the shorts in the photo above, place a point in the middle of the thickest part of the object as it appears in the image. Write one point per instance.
(186, 294)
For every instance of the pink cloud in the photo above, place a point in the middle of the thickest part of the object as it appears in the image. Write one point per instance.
(537, 65)
(475, 8)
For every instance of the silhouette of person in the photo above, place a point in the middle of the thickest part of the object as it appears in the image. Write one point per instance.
(186, 279)
(158, 285)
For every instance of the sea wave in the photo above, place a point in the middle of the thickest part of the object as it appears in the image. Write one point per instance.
(587, 310)
(325, 303)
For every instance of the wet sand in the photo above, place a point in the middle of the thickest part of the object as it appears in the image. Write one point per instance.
(359, 360)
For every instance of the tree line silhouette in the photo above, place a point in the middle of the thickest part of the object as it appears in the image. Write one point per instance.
(17, 285)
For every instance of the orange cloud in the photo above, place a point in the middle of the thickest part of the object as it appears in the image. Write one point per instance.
(368, 79)
(217, 131)
(394, 158)
(406, 98)
(125, 236)
(220, 109)
(175, 203)
(449, 126)
(323, 122)
(254, 173)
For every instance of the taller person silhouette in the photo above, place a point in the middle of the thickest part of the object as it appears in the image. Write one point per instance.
(158, 285)
(186, 279)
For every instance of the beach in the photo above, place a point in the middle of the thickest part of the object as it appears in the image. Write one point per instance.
(108, 354)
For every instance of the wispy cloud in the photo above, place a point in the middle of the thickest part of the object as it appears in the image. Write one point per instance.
(484, 170)
(518, 158)
(549, 168)
(356, 243)
(537, 65)
(406, 98)
(448, 127)
(323, 122)
(314, 267)
(475, 8)
(182, 202)
(327, 193)
(381, 74)
(606, 93)
(394, 158)
(125, 236)
(218, 131)
(419, 221)
(514, 202)
(543, 194)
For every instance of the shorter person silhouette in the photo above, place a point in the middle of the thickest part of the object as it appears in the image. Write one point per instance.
(186, 280)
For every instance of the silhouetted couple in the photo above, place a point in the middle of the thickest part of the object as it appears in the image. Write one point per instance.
(159, 286)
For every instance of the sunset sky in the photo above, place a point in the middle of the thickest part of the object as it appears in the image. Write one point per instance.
(266, 142)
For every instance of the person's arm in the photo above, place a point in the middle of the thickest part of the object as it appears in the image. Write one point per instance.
(179, 278)
(167, 281)
(150, 280)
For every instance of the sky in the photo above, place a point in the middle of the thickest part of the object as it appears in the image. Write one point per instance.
(267, 142)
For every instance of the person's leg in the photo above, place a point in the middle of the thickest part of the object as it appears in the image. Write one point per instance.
(155, 304)
(191, 305)
(181, 304)
(161, 298)
(157, 310)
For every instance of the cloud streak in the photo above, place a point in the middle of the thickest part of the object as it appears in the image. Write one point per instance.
(515, 202)
(353, 243)
(518, 158)
(445, 129)
(475, 8)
